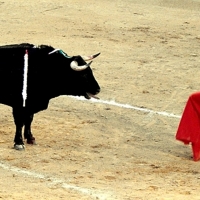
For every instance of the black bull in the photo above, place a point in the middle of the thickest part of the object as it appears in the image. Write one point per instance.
(50, 73)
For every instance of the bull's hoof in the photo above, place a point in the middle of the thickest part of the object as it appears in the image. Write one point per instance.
(31, 141)
(19, 147)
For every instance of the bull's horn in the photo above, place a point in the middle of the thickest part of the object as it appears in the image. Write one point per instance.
(86, 58)
(74, 66)
(55, 50)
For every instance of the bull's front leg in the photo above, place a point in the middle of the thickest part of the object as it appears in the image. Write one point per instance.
(18, 119)
(18, 140)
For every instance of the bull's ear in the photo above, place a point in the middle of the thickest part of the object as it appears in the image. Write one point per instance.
(91, 57)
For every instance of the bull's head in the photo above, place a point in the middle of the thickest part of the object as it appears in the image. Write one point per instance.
(78, 64)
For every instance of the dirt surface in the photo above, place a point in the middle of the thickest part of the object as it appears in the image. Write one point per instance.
(149, 59)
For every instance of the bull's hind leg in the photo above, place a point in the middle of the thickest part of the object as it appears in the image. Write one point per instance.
(18, 119)
(27, 130)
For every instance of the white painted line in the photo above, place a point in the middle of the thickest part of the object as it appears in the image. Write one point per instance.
(96, 194)
(113, 103)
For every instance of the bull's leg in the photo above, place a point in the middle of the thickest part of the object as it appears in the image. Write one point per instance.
(27, 130)
(18, 119)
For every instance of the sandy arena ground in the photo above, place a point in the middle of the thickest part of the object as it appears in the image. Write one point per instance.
(149, 59)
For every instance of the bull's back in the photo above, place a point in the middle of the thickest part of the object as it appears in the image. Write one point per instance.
(12, 73)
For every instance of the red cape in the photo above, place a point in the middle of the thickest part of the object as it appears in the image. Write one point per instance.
(189, 126)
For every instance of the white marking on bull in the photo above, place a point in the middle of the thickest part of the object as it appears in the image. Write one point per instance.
(24, 91)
